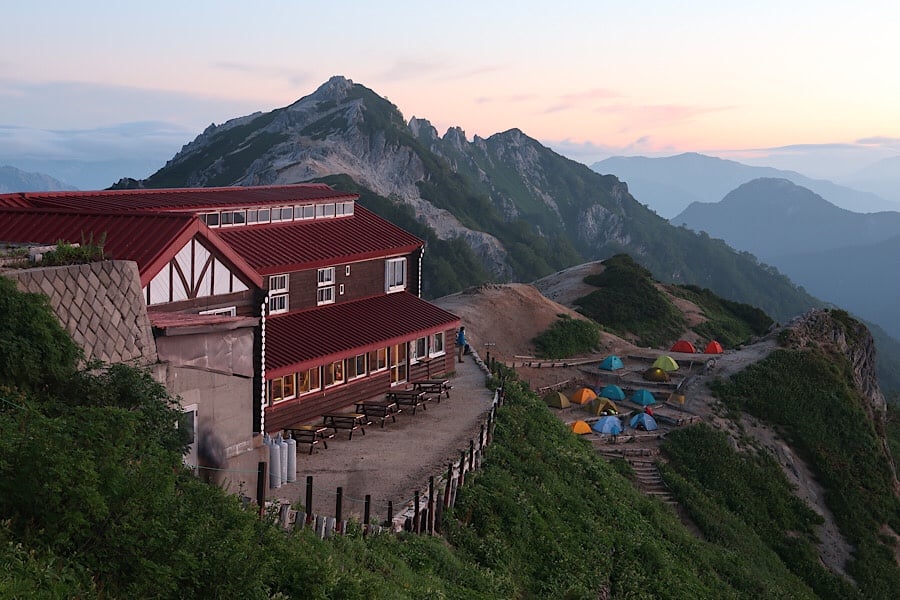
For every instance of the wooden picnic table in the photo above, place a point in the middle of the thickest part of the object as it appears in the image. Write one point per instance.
(310, 434)
(349, 421)
(435, 387)
(378, 409)
(408, 398)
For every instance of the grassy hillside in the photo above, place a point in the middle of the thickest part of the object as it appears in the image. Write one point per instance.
(627, 302)
(809, 397)
(116, 516)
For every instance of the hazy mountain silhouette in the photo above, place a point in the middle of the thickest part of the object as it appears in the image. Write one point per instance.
(668, 185)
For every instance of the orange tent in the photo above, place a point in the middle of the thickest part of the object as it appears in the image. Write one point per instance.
(583, 396)
(580, 427)
(713, 347)
(683, 346)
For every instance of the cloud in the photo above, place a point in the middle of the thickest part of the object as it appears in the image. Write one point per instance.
(511, 99)
(411, 69)
(292, 76)
(77, 104)
(594, 94)
(889, 142)
(588, 152)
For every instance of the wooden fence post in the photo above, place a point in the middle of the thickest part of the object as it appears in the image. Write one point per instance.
(415, 523)
(471, 455)
(430, 527)
(309, 496)
(337, 509)
(447, 487)
(366, 514)
(462, 469)
(390, 516)
(261, 487)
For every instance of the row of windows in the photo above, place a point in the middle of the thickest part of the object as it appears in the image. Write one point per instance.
(395, 280)
(361, 365)
(299, 212)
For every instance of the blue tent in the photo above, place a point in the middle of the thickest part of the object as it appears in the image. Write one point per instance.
(611, 425)
(613, 392)
(643, 397)
(648, 422)
(611, 363)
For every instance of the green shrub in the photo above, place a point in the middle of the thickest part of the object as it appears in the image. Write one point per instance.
(567, 337)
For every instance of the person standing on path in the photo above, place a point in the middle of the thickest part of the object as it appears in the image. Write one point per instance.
(460, 343)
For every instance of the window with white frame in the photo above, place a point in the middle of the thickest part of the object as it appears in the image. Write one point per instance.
(395, 274)
(282, 388)
(325, 295)
(228, 311)
(437, 344)
(334, 373)
(418, 349)
(308, 381)
(278, 293)
(326, 276)
(211, 219)
(356, 366)
(305, 211)
(378, 360)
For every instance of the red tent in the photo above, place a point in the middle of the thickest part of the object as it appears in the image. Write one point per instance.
(683, 346)
(713, 347)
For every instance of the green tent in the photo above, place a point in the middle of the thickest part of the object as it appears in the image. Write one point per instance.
(556, 400)
(666, 363)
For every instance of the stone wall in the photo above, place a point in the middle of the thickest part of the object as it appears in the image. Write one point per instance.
(100, 305)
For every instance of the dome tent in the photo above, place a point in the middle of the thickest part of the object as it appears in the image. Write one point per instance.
(655, 374)
(601, 405)
(613, 392)
(666, 363)
(556, 400)
(583, 396)
(713, 347)
(643, 421)
(612, 363)
(580, 427)
(683, 346)
(609, 425)
(643, 397)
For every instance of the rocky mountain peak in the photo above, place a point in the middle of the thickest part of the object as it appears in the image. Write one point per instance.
(422, 129)
(456, 138)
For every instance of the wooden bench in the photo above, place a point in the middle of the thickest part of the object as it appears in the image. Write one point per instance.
(378, 409)
(349, 421)
(310, 434)
(407, 398)
(433, 387)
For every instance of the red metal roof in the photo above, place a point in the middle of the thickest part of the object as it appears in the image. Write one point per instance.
(302, 339)
(178, 199)
(283, 247)
(150, 239)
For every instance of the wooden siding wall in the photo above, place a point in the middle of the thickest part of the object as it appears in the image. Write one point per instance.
(366, 279)
(311, 407)
(244, 303)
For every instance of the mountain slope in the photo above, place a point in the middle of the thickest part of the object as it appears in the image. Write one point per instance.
(669, 184)
(521, 209)
(773, 217)
(17, 180)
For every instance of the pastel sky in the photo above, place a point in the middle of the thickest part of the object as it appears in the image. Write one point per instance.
(752, 81)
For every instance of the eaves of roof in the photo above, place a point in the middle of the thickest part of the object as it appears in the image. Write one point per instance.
(176, 199)
(299, 245)
(299, 340)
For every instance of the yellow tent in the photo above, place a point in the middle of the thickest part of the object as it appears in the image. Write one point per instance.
(580, 427)
(655, 374)
(583, 396)
(666, 363)
(676, 398)
(603, 405)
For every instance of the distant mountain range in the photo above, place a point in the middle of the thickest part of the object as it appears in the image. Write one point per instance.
(843, 257)
(503, 208)
(669, 184)
(16, 180)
